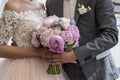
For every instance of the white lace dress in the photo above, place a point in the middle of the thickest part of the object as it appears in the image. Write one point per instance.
(19, 26)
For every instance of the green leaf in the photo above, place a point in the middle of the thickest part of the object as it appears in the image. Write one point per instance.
(69, 47)
(79, 5)
(38, 37)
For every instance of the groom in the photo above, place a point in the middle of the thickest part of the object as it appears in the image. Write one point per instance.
(97, 24)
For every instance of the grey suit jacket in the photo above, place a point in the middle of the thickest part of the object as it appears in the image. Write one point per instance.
(98, 34)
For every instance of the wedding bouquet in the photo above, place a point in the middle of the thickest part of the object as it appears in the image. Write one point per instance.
(58, 35)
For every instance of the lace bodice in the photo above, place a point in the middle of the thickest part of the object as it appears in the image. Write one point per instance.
(18, 26)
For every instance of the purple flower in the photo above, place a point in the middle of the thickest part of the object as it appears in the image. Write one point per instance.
(67, 36)
(75, 32)
(56, 44)
(72, 22)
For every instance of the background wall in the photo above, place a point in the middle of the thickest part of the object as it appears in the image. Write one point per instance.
(116, 1)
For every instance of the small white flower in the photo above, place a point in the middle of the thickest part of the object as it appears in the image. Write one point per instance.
(10, 41)
(89, 8)
(82, 9)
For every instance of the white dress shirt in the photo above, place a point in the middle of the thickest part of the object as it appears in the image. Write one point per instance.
(69, 8)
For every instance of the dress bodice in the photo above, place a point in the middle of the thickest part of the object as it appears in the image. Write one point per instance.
(18, 26)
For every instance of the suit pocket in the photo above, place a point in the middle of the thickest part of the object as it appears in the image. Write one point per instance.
(89, 13)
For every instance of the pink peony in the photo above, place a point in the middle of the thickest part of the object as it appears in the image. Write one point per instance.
(42, 30)
(57, 32)
(49, 21)
(56, 44)
(67, 36)
(45, 37)
(75, 32)
(66, 23)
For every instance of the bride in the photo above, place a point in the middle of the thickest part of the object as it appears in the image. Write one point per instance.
(23, 62)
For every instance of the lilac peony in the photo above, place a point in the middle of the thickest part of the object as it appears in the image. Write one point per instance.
(56, 44)
(67, 36)
(75, 32)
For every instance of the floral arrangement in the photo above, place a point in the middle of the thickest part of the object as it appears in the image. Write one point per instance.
(58, 35)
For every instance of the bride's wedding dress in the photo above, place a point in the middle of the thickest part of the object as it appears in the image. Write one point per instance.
(19, 26)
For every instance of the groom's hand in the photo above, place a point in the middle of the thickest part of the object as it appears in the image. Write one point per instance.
(65, 57)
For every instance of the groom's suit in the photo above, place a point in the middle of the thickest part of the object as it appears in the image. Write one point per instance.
(98, 34)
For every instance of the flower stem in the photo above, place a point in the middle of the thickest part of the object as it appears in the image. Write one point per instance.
(53, 70)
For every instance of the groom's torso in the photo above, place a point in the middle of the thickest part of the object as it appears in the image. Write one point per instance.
(85, 22)
(89, 31)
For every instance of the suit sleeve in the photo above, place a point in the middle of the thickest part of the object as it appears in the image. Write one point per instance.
(108, 37)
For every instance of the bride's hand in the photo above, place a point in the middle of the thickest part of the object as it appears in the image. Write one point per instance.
(65, 57)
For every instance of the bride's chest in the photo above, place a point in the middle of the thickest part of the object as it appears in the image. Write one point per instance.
(23, 19)
(12, 16)
(21, 25)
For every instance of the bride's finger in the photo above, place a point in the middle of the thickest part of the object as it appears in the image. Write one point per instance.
(54, 60)
(54, 56)
(57, 63)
